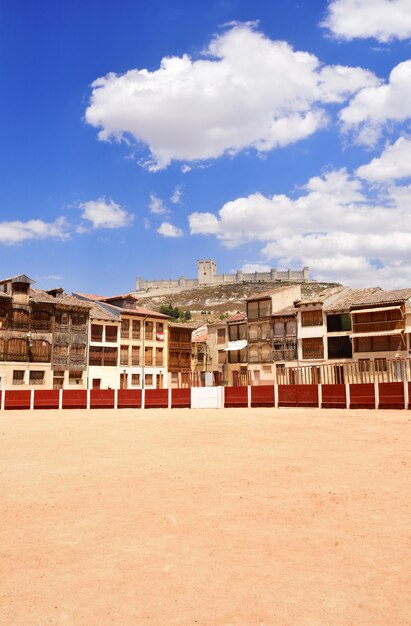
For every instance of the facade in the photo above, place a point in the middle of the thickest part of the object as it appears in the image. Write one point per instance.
(207, 275)
(138, 353)
(271, 338)
(236, 365)
(43, 336)
(179, 354)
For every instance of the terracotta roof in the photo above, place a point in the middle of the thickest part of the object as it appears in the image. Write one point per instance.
(270, 292)
(369, 297)
(191, 325)
(100, 312)
(200, 338)
(123, 296)
(88, 296)
(37, 295)
(238, 317)
(288, 310)
(320, 297)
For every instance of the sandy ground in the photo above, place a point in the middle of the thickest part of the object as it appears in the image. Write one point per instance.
(226, 518)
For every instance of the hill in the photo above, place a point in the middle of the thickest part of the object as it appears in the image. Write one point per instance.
(210, 302)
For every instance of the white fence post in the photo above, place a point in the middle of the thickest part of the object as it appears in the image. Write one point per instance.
(376, 394)
(347, 396)
(320, 396)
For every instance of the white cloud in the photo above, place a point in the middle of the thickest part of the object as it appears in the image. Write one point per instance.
(393, 163)
(383, 20)
(146, 223)
(334, 227)
(156, 205)
(17, 232)
(168, 230)
(177, 195)
(223, 103)
(104, 213)
(185, 168)
(371, 109)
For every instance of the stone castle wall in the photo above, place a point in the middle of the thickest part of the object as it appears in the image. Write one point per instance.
(172, 286)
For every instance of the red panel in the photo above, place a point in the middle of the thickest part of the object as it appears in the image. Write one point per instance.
(129, 399)
(102, 399)
(74, 398)
(307, 395)
(236, 397)
(391, 396)
(46, 399)
(17, 399)
(156, 399)
(362, 396)
(262, 396)
(181, 398)
(287, 395)
(333, 397)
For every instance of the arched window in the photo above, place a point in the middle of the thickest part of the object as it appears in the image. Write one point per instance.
(16, 350)
(40, 351)
(20, 319)
(40, 320)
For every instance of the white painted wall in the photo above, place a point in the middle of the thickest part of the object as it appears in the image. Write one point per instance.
(207, 397)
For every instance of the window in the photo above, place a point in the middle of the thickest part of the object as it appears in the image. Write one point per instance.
(110, 356)
(78, 352)
(136, 329)
(364, 365)
(125, 329)
(62, 319)
(160, 327)
(221, 357)
(16, 350)
(149, 330)
(339, 348)
(254, 332)
(40, 320)
(384, 343)
(20, 319)
(96, 332)
(159, 357)
(380, 365)
(291, 327)
(259, 308)
(220, 335)
(279, 329)
(267, 369)
(135, 355)
(148, 380)
(78, 319)
(311, 318)
(313, 348)
(123, 355)
(148, 357)
(135, 379)
(58, 380)
(111, 334)
(75, 378)
(18, 377)
(36, 378)
(41, 351)
(337, 323)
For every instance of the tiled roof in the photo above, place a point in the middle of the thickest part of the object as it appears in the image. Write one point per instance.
(40, 296)
(89, 296)
(320, 297)
(191, 325)
(238, 317)
(123, 296)
(99, 312)
(369, 297)
(270, 292)
(28, 279)
(288, 310)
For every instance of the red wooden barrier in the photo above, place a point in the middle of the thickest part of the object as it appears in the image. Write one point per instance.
(156, 399)
(180, 398)
(333, 397)
(362, 396)
(129, 399)
(298, 395)
(262, 396)
(391, 396)
(287, 395)
(46, 399)
(236, 397)
(17, 399)
(102, 399)
(74, 398)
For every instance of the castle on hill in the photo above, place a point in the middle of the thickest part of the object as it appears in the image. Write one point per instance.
(207, 275)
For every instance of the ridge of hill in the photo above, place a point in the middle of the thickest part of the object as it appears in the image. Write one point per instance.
(210, 302)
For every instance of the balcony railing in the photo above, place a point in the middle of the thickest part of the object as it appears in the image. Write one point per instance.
(377, 327)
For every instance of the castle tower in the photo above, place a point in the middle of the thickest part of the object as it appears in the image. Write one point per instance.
(206, 271)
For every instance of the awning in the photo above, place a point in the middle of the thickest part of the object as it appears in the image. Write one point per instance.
(398, 331)
(378, 309)
(236, 345)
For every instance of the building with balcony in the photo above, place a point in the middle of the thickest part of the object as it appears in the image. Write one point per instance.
(43, 336)
(141, 350)
(179, 354)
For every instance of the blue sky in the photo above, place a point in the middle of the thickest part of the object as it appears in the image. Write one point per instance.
(138, 136)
